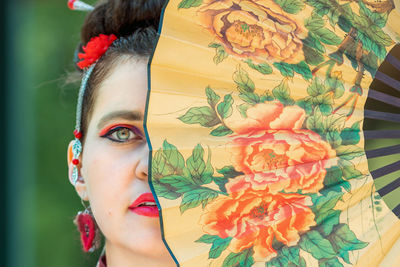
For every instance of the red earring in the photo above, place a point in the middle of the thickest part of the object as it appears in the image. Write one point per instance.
(88, 230)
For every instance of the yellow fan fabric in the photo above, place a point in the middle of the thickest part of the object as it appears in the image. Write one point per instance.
(255, 116)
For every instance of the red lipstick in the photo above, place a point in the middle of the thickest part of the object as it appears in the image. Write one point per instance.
(145, 205)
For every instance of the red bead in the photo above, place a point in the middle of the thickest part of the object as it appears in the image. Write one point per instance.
(75, 161)
(77, 134)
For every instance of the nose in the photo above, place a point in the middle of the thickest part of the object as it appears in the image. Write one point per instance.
(142, 168)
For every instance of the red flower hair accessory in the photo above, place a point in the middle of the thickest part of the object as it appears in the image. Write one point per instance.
(94, 49)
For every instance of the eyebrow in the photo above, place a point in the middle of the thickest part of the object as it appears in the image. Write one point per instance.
(122, 114)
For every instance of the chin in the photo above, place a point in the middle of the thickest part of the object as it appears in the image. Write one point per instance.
(143, 236)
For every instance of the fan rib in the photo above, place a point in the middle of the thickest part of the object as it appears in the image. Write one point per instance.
(393, 61)
(386, 79)
(386, 170)
(389, 187)
(391, 100)
(384, 151)
(372, 114)
(382, 134)
(396, 211)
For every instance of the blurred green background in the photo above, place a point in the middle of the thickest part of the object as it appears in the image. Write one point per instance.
(42, 36)
(39, 111)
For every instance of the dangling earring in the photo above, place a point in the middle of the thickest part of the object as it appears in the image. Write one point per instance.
(89, 231)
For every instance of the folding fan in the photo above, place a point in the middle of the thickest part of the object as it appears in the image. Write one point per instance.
(255, 118)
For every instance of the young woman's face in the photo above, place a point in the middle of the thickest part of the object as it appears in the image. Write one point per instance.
(115, 163)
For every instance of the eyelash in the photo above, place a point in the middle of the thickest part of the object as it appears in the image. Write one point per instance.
(114, 129)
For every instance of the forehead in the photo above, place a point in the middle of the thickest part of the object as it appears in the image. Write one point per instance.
(124, 89)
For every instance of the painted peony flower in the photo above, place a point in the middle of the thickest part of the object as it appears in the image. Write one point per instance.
(255, 217)
(257, 29)
(273, 151)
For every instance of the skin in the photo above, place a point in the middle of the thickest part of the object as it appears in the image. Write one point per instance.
(114, 167)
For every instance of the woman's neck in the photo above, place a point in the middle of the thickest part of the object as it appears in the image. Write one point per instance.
(121, 257)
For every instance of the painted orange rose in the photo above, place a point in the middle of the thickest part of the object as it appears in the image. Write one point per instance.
(255, 217)
(273, 151)
(257, 29)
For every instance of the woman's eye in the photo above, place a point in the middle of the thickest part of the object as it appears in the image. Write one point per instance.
(121, 135)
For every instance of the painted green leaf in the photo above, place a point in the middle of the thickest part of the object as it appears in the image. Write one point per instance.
(351, 136)
(344, 240)
(379, 36)
(313, 42)
(267, 96)
(344, 24)
(291, 6)
(218, 246)
(370, 62)
(208, 239)
(316, 87)
(332, 262)
(306, 105)
(285, 68)
(282, 93)
(315, 122)
(379, 19)
(165, 190)
(334, 122)
(302, 69)
(182, 184)
(325, 204)
(204, 116)
(263, 68)
(243, 109)
(159, 166)
(243, 81)
(312, 56)
(229, 172)
(190, 3)
(335, 84)
(314, 23)
(196, 197)
(212, 97)
(276, 262)
(173, 157)
(221, 131)
(316, 245)
(225, 108)
(242, 259)
(250, 98)
(333, 16)
(334, 180)
(214, 45)
(349, 170)
(221, 182)
(291, 254)
(331, 219)
(209, 171)
(333, 137)
(321, 7)
(349, 152)
(220, 54)
(327, 36)
(196, 166)
(325, 108)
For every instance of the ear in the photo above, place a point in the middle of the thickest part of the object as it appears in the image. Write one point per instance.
(80, 185)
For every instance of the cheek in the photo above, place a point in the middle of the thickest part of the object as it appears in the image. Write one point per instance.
(107, 178)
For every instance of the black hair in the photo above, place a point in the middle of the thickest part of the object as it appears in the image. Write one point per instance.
(135, 23)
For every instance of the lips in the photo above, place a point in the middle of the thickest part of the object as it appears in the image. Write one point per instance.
(145, 205)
